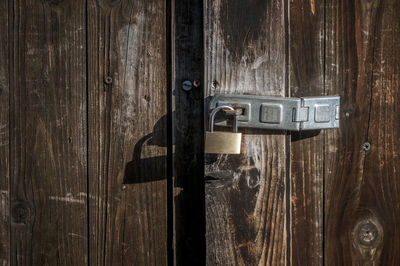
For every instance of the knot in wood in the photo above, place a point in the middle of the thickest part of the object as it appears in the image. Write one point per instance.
(253, 177)
(367, 233)
(20, 212)
(214, 84)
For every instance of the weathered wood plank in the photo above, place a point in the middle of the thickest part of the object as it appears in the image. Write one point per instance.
(378, 228)
(306, 78)
(4, 138)
(362, 188)
(348, 59)
(246, 194)
(189, 210)
(48, 133)
(127, 132)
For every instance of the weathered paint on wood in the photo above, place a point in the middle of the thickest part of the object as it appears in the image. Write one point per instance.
(362, 183)
(127, 132)
(48, 207)
(246, 194)
(306, 78)
(189, 214)
(4, 137)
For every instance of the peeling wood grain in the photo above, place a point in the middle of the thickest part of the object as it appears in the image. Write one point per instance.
(242, 26)
(246, 194)
(127, 132)
(306, 78)
(69, 198)
(4, 137)
(47, 107)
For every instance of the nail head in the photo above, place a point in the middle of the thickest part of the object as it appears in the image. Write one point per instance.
(108, 80)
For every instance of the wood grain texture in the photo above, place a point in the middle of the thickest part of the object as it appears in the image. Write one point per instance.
(47, 133)
(246, 193)
(306, 78)
(127, 132)
(362, 188)
(4, 138)
(189, 208)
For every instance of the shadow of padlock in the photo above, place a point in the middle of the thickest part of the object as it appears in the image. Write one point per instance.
(141, 170)
(221, 142)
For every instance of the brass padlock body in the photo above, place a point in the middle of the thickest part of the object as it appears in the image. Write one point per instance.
(223, 142)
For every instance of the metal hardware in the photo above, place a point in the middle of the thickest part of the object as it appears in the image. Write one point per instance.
(291, 113)
(212, 117)
(222, 142)
(108, 80)
(187, 85)
(366, 146)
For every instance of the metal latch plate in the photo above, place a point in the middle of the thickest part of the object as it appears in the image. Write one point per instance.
(291, 113)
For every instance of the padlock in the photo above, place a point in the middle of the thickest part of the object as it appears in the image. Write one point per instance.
(222, 142)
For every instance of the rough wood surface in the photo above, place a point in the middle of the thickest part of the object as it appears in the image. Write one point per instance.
(127, 132)
(246, 193)
(306, 78)
(4, 137)
(48, 206)
(362, 182)
(189, 210)
(83, 133)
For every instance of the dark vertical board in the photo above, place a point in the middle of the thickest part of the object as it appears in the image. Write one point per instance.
(245, 53)
(127, 132)
(378, 228)
(306, 78)
(48, 133)
(350, 31)
(362, 187)
(4, 138)
(188, 133)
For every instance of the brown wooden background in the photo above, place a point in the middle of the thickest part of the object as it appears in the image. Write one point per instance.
(101, 151)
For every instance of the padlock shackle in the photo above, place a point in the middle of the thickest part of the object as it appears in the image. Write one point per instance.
(214, 111)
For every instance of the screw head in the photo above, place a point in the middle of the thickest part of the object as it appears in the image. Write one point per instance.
(187, 85)
(366, 146)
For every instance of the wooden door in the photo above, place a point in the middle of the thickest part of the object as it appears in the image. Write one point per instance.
(101, 150)
(308, 198)
(83, 137)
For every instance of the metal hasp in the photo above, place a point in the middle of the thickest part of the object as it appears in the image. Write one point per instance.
(305, 113)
